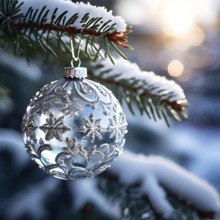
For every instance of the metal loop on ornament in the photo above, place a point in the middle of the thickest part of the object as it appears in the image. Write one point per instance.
(76, 60)
(75, 57)
(75, 72)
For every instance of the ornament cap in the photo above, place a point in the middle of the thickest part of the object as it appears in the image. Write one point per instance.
(75, 72)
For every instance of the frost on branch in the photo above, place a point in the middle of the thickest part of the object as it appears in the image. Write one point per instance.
(156, 172)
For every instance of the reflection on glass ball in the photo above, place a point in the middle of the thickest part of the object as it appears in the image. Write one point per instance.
(74, 128)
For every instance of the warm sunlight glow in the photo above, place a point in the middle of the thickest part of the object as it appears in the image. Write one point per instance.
(194, 38)
(175, 68)
(197, 36)
(132, 12)
(177, 18)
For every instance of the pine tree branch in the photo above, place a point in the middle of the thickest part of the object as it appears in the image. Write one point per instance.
(35, 24)
(116, 37)
(173, 192)
(130, 198)
(178, 106)
(156, 96)
(46, 27)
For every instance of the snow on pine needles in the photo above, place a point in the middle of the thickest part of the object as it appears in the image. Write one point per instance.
(79, 8)
(155, 172)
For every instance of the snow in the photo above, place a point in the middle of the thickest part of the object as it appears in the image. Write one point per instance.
(149, 81)
(156, 193)
(85, 191)
(29, 70)
(14, 142)
(202, 148)
(6, 103)
(31, 200)
(154, 171)
(72, 8)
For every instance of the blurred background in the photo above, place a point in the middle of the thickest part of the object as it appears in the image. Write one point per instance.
(178, 39)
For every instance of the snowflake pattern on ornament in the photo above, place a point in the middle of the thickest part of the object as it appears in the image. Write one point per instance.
(39, 103)
(60, 94)
(28, 126)
(74, 147)
(54, 128)
(117, 126)
(72, 109)
(43, 107)
(43, 102)
(91, 128)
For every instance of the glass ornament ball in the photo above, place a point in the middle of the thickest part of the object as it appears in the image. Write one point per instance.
(74, 127)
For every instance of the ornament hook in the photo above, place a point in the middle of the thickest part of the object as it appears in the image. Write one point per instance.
(72, 62)
(75, 72)
(75, 57)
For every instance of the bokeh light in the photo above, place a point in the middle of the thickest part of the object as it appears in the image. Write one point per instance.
(175, 68)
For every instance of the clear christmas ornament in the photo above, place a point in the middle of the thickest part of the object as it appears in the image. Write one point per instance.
(74, 128)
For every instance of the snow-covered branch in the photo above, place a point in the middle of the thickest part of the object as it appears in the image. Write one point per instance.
(155, 172)
(71, 8)
(148, 81)
(41, 22)
(31, 200)
(85, 191)
(155, 95)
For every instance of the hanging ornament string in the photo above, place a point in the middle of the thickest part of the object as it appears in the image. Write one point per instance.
(75, 57)
(75, 72)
